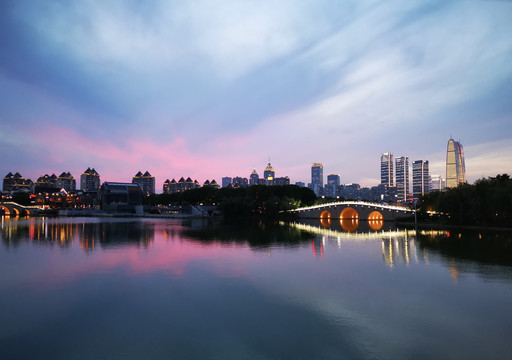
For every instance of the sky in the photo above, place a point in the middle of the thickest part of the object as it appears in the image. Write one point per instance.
(207, 89)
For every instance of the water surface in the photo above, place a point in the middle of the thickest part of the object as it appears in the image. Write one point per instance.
(84, 288)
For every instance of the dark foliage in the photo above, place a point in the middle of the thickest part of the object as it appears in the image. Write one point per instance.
(487, 202)
(240, 202)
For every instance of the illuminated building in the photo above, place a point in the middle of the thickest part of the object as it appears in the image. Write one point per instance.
(146, 182)
(47, 181)
(67, 182)
(386, 169)
(166, 189)
(402, 178)
(332, 186)
(269, 174)
(254, 179)
(455, 165)
(282, 181)
(420, 179)
(90, 180)
(317, 178)
(212, 184)
(17, 183)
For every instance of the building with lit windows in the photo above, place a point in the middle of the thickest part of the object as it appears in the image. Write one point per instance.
(332, 186)
(420, 179)
(386, 169)
(269, 174)
(67, 182)
(317, 178)
(455, 164)
(145, 181)
(90, 180)
(14, 183)
(254, 179)
(402, 178)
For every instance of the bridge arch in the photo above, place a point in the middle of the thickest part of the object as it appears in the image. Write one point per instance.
(326, 219)
(349, 213)
(9, 212)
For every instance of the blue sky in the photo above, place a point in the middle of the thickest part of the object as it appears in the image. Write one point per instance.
(214, 88)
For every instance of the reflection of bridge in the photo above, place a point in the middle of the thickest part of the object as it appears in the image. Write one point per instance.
(15, 209)
(350, 213)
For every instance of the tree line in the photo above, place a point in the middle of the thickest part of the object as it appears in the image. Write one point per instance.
(259, 200)
(487, 202)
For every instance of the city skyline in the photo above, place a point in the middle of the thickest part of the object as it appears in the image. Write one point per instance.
(211, 89)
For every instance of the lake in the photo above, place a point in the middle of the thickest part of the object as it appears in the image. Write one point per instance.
(104, 288)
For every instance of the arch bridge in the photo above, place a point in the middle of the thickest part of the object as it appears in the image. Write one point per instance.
(353, 210)
(15, 209)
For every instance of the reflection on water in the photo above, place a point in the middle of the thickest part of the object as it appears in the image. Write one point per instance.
(194, 289)
(405, 246)
(87, 232)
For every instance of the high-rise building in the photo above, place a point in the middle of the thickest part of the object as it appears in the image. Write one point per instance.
(145, 181)
(269, 174)
(455, 165)
(317, 178)
(226, 181)
(90, 180)
(437, 183)
(332, 186)
(254, 179)
(420, 179)
(402, 178)
(386, 169)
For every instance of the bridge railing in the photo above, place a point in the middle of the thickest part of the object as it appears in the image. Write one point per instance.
(362, 203)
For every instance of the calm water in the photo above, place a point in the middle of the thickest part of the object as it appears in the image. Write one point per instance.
(164, 289)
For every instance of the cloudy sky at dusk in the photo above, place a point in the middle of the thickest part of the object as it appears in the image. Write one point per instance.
(208, 89)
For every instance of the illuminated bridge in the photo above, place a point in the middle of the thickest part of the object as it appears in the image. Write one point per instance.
(15, 209)
(349, 213)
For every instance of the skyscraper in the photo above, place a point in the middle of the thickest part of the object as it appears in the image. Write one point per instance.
(269, 174)
(402, 178)
(386, 169)
(420, 179)
(90, 180)
(333, 183)
(317, 177)
(254, 179)
(455, 166)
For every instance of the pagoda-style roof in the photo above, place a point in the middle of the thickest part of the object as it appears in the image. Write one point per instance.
(206, 183)
(147, 174)
(181, 180)
(189, 180)
(139, 174)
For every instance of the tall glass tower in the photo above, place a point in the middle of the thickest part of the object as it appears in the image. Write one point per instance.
(402, 178)
(317, 177)
(420, 179)
(455, 166)
(386, 169)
